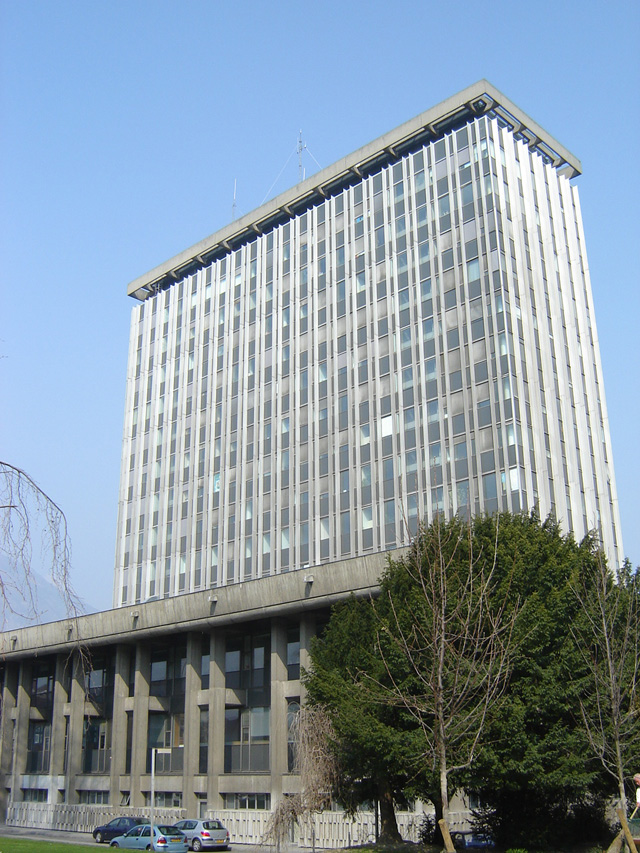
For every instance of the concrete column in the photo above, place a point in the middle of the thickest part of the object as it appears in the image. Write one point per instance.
(191, 723)
(217, 694)
(278, 713)
(58, 718)
(119, 720)
(21, 733)
(76, 726)
(7, 724)
(140, 723)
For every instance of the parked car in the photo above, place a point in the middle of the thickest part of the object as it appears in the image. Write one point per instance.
(164, 838)
(117, 826)
(205, 834)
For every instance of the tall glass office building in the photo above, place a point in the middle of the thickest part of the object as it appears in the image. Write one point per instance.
(409, 331)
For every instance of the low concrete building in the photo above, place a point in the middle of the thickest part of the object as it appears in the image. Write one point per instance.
(211, 680)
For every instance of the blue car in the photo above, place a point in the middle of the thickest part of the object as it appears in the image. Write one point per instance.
(164, 838)
(115, 827)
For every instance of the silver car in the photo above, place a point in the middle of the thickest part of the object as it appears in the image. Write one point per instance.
(164, 838)
(205, 834)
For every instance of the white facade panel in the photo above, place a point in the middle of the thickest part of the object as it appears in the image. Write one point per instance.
(420, 340)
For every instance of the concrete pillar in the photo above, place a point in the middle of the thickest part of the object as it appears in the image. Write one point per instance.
(7, 724)
(191, 723)
(76, 726)
(21, 733)
(58, 717)
(140, 723)
(117, 769)
(278, 713)
(217, 694)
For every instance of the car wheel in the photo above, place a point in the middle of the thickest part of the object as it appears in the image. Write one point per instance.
(99, 837)
(148, 847)
(196, 845)
(114, 844)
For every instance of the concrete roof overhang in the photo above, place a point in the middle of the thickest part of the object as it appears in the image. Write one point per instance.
(479, 99)
(278, 596)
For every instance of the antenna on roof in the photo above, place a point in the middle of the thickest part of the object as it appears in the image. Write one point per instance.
(301, 146)
(233, 207)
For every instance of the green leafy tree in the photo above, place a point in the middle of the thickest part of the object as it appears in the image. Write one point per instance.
(534, 774)
(469, 670)
(446, 640)
(373, 741)
(410, 678)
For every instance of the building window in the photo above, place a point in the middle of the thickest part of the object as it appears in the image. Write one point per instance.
(247, 664)
(98, 685)
(293, 712)
(205, 662)
(166, 732)
(247, 801)
(293, 653)
(203, 756)
(35, 795)
(168, 671)
(93, 798)
(96, 743)
(38, 747)
(42, 684)
(246, 740)
(165, 799)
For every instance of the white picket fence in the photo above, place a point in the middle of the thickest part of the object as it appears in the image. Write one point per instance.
(330, 830)
(79, 818)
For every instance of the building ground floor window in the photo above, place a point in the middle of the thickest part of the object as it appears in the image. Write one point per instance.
(247, 801)
(165, 799)
(35, 795)
(94, 798)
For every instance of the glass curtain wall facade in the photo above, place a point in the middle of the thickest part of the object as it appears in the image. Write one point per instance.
(421, 340)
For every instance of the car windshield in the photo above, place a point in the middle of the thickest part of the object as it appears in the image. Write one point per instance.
(212, 824)
(169, 830)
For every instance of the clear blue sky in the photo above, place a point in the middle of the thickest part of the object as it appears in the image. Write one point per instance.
(125, 123)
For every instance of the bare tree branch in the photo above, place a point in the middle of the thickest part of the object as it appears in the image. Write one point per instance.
(312, 732)
(26, 514)
(455, 639)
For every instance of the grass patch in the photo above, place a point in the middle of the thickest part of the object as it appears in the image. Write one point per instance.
(29, 845)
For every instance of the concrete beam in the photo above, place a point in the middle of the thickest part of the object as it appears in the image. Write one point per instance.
(263, 598)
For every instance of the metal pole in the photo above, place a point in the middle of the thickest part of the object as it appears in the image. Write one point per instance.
(153, 791)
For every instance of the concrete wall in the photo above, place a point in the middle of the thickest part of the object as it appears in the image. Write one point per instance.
(127, 638)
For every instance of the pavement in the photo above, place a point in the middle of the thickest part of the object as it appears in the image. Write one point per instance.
(7, 832)
(42, 834)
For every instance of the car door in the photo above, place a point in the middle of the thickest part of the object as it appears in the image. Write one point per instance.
(109, 830)
(113, 828)
(144, 838)
(190, 830)
(188, 827)
(134, 840)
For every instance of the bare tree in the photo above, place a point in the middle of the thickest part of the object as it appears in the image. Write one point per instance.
(312, 735)
(447, 641)
(608, 639)
(27, 514)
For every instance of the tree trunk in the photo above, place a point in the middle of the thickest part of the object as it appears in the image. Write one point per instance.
(388, 825)
(441, 750)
